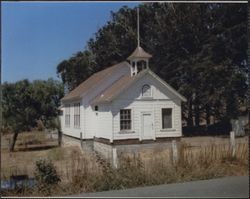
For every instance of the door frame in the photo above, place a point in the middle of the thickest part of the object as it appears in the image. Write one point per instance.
(142, 123)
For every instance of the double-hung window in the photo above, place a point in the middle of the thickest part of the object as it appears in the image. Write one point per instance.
(67, 115)
(125, 119)
(166, 118)
(77, 115)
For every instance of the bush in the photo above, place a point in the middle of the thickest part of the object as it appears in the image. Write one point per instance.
(46, 175)
(221, 128)
(40, 125)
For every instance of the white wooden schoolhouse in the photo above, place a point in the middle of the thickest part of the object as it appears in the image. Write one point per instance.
(125, 102)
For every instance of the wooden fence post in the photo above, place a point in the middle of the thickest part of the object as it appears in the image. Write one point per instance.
(174, 151)
(232, 143)
(114, 157)
(81, 140)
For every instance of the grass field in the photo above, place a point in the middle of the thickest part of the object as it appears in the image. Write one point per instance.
(81, 171)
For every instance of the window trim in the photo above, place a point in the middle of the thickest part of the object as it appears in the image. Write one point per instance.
(130, 120)
(172, 123)
(142, 91)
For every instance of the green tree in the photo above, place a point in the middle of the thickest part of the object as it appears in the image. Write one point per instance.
(77, 69)
(199, 49)
(24, 103)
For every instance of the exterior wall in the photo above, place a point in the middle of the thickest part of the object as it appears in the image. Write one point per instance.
(132, 99)
(71, 130)
(113, 153)
(98, 123)
(104, 119)
(106, 123)
(105, 150)
(91, 122)
(154, 107)
(88, 117)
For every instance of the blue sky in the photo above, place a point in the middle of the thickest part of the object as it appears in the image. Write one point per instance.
(36, 36)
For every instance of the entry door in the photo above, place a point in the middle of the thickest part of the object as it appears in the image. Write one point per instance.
(147, 125)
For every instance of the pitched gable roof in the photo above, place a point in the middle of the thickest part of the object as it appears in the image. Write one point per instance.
(92, 82)
(124, 82)
(116, 88)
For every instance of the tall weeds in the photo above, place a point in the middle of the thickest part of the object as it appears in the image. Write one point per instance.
(89, 173)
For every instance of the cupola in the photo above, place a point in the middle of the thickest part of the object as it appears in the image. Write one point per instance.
(139, 59)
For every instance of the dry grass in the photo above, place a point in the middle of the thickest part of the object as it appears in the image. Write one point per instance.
(28, 141)
(84, 172)
(28, 138)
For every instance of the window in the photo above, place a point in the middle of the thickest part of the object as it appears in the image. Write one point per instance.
(96, 108)
(77, 115)
(125, 119)
(67, 115)
(166, 118)
(146, 91)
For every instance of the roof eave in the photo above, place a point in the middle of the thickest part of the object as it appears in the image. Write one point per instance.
(70, 99)
(98, 102)
(138, 57)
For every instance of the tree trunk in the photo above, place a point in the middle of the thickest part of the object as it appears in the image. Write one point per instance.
(59, 138)
(13, 142)
(208, 122)
(197, 115)
(190, 114)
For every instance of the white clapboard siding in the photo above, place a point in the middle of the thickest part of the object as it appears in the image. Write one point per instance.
(72, 130)
(104, 118)
(132, 99)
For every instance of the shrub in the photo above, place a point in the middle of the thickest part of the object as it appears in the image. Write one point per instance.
(40, 125)
(46, 176)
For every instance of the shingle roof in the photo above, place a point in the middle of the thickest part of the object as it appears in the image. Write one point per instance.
(139, 53)
(124, 82)
(118, 86)
(92, 82)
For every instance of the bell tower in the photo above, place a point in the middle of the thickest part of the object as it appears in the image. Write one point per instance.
(139, 59)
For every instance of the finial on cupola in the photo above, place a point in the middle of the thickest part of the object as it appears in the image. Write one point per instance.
(138, 27)
(139, 58)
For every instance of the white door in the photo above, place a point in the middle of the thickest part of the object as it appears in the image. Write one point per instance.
(147, 125)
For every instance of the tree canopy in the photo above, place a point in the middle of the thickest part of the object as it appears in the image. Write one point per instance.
(25, 102)
(199, 49)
